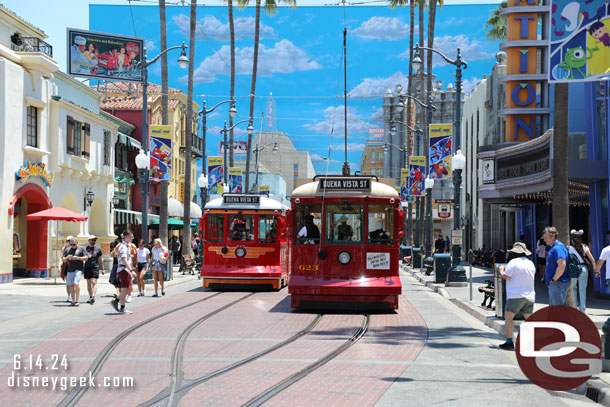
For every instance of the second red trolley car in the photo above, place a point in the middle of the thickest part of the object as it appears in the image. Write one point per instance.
(344, 234)
(244, 243)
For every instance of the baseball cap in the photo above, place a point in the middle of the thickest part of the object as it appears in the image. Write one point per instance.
(69, 238)
(92, 237)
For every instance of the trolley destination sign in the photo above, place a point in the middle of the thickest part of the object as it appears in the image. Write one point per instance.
(336, 184)
(241, 199)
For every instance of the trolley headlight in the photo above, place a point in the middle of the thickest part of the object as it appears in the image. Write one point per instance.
(240, 252)
(344, 257)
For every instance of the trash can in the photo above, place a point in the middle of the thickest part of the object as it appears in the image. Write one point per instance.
(499, 291)
(416, 259)
(442, 263)
(404, 252)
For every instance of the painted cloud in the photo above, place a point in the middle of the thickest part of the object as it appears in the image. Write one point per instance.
(382, 28)
(214, 28)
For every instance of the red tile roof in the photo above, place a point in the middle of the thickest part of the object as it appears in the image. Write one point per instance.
(130, 103)
(130, 88)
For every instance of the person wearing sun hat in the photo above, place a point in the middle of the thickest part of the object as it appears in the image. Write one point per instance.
(519, 274)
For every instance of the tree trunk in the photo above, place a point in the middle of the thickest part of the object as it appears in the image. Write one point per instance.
(186, 232)
(409, 101)
(163, 195)
(232, 93)
(561, 212)
(422, 95)
(253, 87)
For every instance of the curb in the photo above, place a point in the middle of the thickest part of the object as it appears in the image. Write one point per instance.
(594, 389)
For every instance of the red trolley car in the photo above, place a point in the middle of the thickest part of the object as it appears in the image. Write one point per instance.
(244, 243)
(344, 243)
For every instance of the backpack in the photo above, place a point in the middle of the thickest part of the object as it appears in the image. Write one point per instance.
(574, 266)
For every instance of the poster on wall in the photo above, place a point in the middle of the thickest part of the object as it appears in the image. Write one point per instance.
(160, 152)
(417, 174)
(235, 181)
(440, 150)
(104, 56)
(215, 174)
(579, 41)
(240, 148)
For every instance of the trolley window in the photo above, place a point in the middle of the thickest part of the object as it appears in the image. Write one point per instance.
(344, 223)
(241, 227)
(267, 228)
(381, 223)
(215, 232)
(308, 221)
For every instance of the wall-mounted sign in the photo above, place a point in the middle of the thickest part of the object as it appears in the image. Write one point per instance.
(456, 237)
(240, 148)
(523, 165)
(345, 184)
(241, 199)
(444, 210)
(31, 169)
(489, 173)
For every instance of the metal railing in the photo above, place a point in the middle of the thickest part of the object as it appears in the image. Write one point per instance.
(196, 143)
(32, 44)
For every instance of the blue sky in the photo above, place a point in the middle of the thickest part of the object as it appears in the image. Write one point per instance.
(299, 62)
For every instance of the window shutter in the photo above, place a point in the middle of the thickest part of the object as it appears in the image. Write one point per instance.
(86, 140)
(70, 136)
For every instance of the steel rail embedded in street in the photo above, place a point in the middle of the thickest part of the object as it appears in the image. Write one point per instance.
(289, 381)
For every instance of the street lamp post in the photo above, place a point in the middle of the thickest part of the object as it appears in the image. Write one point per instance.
(204, 121)
(257, 150)
(429, 184)
(224, 132)
(202, 183)
(458, 162)
(143, 167)
(456, 271)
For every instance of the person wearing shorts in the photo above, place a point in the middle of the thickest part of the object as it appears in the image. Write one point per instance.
(75, 255)
(143, 256)
(93, 265)
(519, 274)
(124, 271)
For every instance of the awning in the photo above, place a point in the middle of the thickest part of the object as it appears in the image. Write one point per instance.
(128, 141)
(126, 217)
(176, 209)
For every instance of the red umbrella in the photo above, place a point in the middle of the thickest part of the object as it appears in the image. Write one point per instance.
(57, 213)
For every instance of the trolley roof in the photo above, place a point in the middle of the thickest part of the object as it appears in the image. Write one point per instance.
(345, 186)
(245, 201)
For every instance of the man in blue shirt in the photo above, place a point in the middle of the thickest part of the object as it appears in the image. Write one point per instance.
(556, 275)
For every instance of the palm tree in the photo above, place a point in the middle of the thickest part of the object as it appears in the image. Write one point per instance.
(270, 7)
(163, 215)
(232, 35)
(497, 24)
(186, 231)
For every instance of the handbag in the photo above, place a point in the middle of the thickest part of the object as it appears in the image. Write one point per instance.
(63, 270)
(163, 258)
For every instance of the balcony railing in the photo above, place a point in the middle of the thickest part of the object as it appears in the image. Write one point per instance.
(196, 144)
(32, 44)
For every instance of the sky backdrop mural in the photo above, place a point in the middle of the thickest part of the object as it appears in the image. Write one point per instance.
(300, 64)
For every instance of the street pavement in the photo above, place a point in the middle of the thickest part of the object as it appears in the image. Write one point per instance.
(429, 352)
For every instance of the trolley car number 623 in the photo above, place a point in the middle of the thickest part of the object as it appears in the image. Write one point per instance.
(309, 267)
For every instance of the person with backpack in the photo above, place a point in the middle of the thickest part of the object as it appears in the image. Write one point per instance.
(580, 255)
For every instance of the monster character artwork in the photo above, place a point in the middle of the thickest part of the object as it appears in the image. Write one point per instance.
(576, 58)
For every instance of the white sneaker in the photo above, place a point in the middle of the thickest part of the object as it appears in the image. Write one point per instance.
(69, 299)
(128, 299)
(143, 293)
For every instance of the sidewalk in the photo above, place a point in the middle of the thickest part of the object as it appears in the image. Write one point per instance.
(597, 388)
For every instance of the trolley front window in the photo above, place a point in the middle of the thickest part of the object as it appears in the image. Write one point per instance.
(241, 227)
(381, 222)
(267, 228)
(308, 221)
(215, 232)
(344, 223)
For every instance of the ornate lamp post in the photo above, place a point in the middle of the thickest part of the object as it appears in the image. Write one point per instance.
(202, 183)
(429, 184)
(224, 132)
(458, 162)
(257, 150)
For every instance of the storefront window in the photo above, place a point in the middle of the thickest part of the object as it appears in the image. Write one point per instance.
(308, 221)
(241, 227)
(381, 222)
(215, 226)
(267, 229)
(344, 223)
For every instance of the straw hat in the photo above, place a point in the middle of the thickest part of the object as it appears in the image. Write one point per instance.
(520, 248)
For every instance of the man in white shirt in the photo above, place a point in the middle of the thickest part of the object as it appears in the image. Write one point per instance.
(520, 295)
(603, 257)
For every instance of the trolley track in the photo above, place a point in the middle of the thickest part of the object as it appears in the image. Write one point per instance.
(173, 394)
(289, 381)
(77, 393)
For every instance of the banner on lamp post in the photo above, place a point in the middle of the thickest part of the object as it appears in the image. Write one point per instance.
(404, 183)
(160, 152)
(440, 150)
(215, 174)
(417, 174)
(263, 190)
(235, 180)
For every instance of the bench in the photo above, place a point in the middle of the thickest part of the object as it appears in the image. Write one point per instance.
(489, 293)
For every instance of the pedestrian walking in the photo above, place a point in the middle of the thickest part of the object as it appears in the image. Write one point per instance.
(75, 255)
(586, 264)
(519, 274)
(439, 244)
(603, 257)
(114, 278)
(175, 246)
(159, 266)
(447, 245)
(556, 276)
(143, 261)
(124, 271)
(64, 266)
(541, 253)
(93, 265)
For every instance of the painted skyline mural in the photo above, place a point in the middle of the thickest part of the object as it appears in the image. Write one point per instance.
(300, 64)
